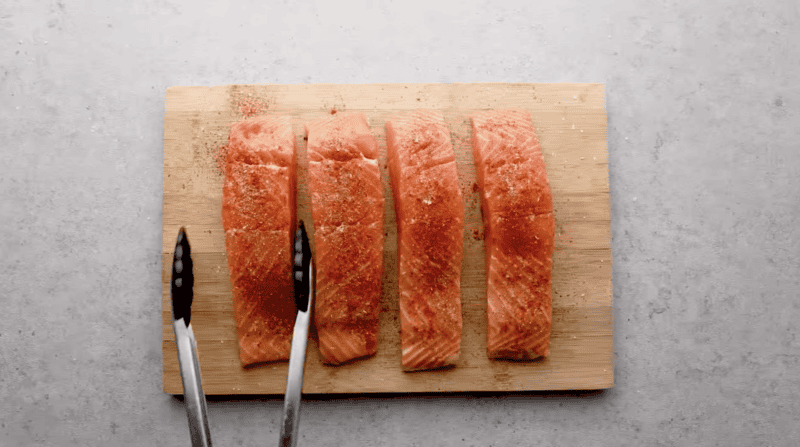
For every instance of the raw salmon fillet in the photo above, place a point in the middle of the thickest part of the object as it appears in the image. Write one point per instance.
(430, 232)
(258, 215)
(519, 229)
(347, 207)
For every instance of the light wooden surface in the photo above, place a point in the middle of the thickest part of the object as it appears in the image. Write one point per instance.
(570, 120)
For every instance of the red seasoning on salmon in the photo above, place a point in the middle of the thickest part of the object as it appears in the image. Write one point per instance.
(258, 215)
(430, 233)
(519, 228)
(347, 206)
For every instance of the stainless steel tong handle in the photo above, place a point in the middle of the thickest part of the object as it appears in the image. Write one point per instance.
(297, 362)
(194, 399)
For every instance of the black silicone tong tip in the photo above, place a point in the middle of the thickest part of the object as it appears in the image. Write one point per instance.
(302, 259)
(182, 279)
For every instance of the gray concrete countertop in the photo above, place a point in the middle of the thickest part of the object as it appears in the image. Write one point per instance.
(703, 132)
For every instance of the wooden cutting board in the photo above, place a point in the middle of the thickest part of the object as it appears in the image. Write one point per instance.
(570, 120)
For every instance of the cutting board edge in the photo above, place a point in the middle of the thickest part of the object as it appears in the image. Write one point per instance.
(606, 199)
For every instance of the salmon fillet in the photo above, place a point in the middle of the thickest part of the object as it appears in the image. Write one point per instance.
(347, 206)
(258, 215)
(430, 232)
(519, 227)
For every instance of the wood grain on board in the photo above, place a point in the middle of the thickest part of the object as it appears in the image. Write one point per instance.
(570, 120)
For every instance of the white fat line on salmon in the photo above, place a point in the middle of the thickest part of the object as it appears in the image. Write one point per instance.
(404, 311)
(500, 302)
(328, 160)
(417, 355)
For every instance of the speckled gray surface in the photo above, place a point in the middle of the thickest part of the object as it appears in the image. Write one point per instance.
(703, 132)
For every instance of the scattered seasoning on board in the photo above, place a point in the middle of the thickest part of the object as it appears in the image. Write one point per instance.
(476, 234)
(220, 159)
(474, 187)
(333, 110)
(248, 105)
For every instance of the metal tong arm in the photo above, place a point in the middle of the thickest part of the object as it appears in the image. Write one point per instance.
(194, 398)
(297, 362)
